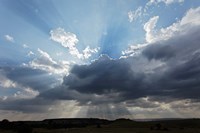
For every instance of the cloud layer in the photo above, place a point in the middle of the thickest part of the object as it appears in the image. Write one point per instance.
(161, 75)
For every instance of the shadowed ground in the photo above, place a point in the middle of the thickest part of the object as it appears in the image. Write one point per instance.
(104, 126)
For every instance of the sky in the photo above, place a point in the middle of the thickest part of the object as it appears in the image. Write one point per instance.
(99, 59)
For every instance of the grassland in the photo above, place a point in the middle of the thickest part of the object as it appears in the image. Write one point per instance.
(128, 126)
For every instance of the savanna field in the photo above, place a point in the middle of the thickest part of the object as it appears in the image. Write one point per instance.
(120, 126)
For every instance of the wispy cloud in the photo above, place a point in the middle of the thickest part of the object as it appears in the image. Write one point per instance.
(167, 2)
(9, 38)
(133, 15)
(45, 62)
(25, 46)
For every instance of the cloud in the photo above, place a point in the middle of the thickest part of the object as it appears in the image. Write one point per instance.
(167, 2)
(66, 39)
(30, 53)
(128, 79)
(94, 78)
(149, 28)
(25, 46)
(133, 15)
(46, 63)
(9, 38)
(37, 109)
(69, 40)
(192, 17)
(133, 50)
(164, 70)
(160, 52)
(16, 89)
(5, 82)
(164, 74)
(190, 20)
(28, 77)
(24, 84)
(154, 36)
(87, 52)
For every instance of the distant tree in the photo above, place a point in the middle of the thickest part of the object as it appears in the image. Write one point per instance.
(5, 124)
(5, 121)
(158, 126)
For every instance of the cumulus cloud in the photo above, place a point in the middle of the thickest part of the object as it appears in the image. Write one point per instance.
(70, 40)
(133, 15)
(149, 28)
(9, 38)
(5, 82)
(153, 36)
(30, 53)
(164, 75)
(190, 20)
(133, 50)
(164, 70)
(18, 90)
(159, 77)
(46, 63)
(28, 77)
(26, 84)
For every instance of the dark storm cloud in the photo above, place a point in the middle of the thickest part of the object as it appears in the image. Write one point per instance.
(36, 105)
(36, 79)
(157, 51)
(28, 77)
(176, 47)
(178, 78)
(104, 76)
(165, 71)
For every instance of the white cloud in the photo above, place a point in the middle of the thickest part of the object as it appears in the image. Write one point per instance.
(149, 28)
(87, 52)
(133, 50)
(66, 39)
(46, 63)
(6, 83)
(187, 23)
(191, 19)
(25, 46)
(69, 40)
(30, 53)
(167, 2)
(26, 93)
(9, 38)
(133, 15)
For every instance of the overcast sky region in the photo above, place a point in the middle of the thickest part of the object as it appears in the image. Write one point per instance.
(110, 59)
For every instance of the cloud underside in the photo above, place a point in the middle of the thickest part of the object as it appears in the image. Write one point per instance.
(163, 77)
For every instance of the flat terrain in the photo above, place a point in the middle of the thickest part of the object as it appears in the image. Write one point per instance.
(109, 130)
(126, 126)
